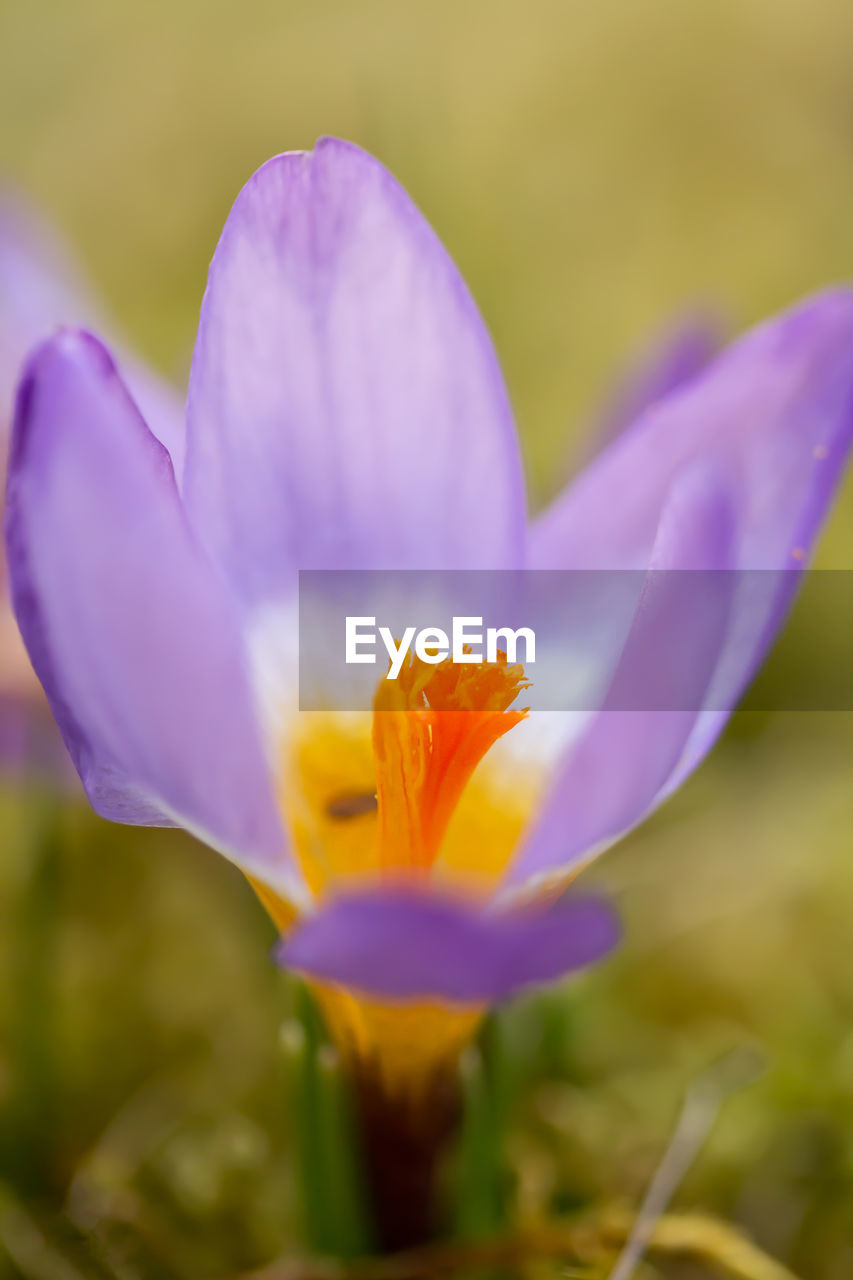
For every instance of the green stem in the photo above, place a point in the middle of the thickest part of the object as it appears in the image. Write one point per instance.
(481, 1175)
(333, 1214)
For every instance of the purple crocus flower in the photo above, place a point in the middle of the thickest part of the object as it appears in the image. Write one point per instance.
(40, 289)
(346, 410)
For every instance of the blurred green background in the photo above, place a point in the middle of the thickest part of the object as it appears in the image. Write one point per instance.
(594, 169)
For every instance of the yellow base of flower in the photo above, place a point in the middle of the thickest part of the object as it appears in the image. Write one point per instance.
(404, 796)
(402, 1045)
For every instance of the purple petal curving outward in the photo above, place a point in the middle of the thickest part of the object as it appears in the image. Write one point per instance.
(346, 408)
(776, 408)
(402, 946)
(776, 413)
(613, 775)
(125, 620)
(40, 289)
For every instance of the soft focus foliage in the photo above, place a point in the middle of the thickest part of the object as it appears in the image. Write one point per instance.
(593, 169)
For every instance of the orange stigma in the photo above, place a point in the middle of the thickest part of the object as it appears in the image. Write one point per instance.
(431, 728)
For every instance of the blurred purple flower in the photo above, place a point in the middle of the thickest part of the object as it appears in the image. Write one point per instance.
(41, 289)
(669, 364)
(346, 409)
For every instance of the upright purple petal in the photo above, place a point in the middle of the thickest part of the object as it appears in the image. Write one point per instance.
(615, 773)
(125, 620)
(346, 407)
(775, 409)
(404, 946)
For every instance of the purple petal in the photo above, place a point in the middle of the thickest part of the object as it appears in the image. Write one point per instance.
(159, 405)
(613, 776)
(775, 409)
(346, 408)
(125, 621)
(405, 946)
(678, 357)
(41, 288)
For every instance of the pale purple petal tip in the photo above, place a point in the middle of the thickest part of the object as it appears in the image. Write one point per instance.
(346, 407)
(405, 946)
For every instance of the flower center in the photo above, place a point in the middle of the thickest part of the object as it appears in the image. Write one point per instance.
(395, 796)
(384, 797)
